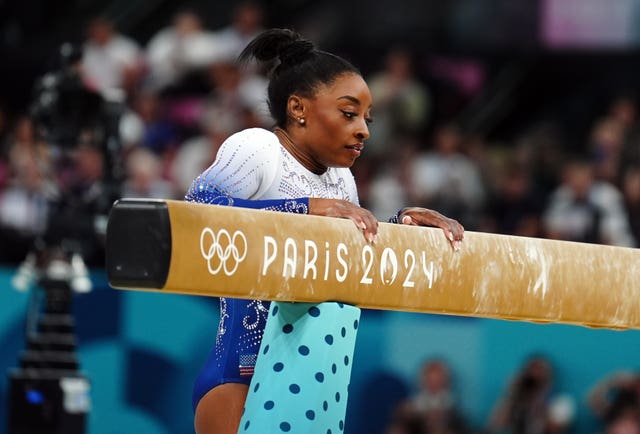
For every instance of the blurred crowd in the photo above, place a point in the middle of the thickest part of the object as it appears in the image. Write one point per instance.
(179, 95)
(531, 402)
(122, 119)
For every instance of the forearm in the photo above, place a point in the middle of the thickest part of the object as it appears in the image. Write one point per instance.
(216, 197)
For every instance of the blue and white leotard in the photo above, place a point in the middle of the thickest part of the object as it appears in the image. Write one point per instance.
(252, 169)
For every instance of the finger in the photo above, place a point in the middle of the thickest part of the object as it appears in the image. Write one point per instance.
(407, 220)
(362, 226)
(413, 220)
(372, 227)
(453, 230)
(359, 222)
(452, 239)
(371, 236)
(449, 234)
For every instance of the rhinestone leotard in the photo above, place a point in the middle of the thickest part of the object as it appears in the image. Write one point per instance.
(252, 169)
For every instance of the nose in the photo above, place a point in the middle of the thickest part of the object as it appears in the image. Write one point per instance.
(362, 133)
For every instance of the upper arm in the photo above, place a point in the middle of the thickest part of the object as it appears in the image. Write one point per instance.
(244, 166)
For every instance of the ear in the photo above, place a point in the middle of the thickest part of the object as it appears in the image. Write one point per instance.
(296, 107)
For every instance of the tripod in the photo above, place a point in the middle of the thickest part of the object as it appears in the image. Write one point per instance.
(47, 392)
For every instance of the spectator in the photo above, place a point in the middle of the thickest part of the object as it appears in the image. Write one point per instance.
(25, 149)
(445, 179)
(624, 425)
(112, 62)
(144, 176)
(606, 141)
(434, 408)
(541, 150)
(78, 216)
(4, 158)
(24, 202)
(180, 50)
(146, 124)
(615, 400)
(530, 405)
(246, 22)
(624, 110)
(198, 152)
(24, 207)
(402, 102)
(631, 192)
(239, 95)
(584, 209)
(384, 181)
(516, 204)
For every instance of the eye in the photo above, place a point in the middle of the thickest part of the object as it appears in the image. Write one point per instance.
(353, 115)
(348, 114)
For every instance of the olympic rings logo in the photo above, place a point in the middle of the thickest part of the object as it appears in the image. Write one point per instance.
(223, 251)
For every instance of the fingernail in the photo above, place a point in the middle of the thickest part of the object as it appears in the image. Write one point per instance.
(375, 238)
(450, 236)
(406, 220)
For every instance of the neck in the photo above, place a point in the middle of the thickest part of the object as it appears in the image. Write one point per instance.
(303, 158)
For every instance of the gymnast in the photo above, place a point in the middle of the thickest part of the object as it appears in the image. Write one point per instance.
(321, 106)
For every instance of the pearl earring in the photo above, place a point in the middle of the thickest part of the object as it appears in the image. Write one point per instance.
(301, 121)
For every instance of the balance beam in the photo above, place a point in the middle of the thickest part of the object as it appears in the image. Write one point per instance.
(211, 250)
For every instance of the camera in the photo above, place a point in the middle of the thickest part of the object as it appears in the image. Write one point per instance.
(48, 392)
(63, 106)
(81, 127)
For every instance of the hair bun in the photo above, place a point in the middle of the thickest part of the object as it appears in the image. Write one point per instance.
(296, 51)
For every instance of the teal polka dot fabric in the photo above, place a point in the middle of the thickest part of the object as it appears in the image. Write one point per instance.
(303, 370)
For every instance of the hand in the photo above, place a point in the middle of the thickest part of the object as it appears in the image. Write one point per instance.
(426, 217)
(364, 220)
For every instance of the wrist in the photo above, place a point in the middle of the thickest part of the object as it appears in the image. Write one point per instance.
(397, 218)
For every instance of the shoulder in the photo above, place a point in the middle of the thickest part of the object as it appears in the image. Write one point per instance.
(253, 138)
(124, 44)
(252, 146)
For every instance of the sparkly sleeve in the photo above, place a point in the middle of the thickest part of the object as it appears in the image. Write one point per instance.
(217, 197)
(245, 165)
(395, 218)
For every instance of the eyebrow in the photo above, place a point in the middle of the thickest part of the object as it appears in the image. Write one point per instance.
(350, 98)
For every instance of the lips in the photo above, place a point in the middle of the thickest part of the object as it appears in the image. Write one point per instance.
(357, 147)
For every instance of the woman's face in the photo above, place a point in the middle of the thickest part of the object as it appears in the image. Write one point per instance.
(336, 119)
